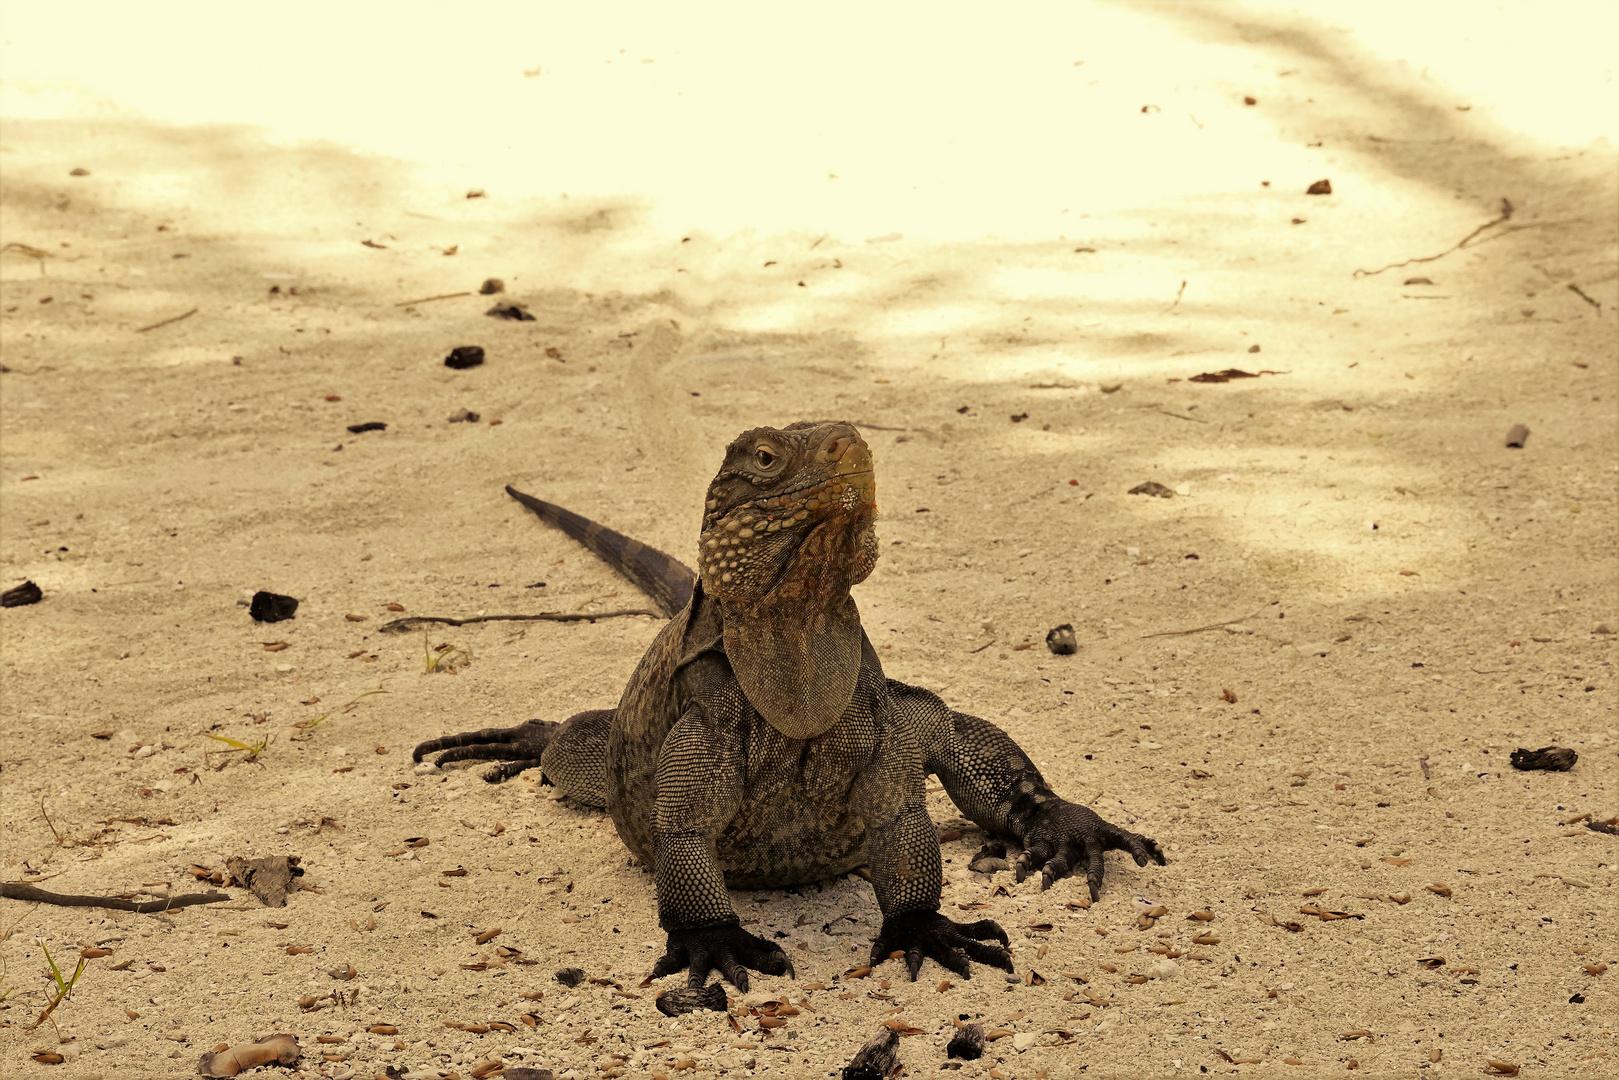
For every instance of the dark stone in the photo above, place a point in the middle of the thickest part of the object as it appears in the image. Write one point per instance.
(513, 312)
(1152, 487)
(688, 1000)
(1548, 758)
(1320, 187)
(1061, 640)
(269, 879)
(272, 607)
(967, 1043)
(491, 286)
(370, 425)
(876, 1059)
(464, 356)
(26, 593)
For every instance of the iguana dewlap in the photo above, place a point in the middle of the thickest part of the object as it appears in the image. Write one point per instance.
(758, 743)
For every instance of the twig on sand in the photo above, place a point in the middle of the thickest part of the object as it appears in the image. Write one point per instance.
(1178, 294)
(32, 252)
(16, 890)
(400, 626)
(59, 841)
(429, 299)
(1182, 416)
(1505, 215)
(166, 322)
(1200, 629)
(1577, 291)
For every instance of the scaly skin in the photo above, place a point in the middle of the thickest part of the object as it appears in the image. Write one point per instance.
(759, 744)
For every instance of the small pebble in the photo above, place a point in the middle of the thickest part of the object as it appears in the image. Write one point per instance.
(272, 607)
(22, 595)
(967, 1043)
(686, 1000)
(464, 356)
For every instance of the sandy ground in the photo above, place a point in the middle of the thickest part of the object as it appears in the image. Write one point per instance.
(1393, 598)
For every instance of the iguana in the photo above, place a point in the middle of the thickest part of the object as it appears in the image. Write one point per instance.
(758, 743)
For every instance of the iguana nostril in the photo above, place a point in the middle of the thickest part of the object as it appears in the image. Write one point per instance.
(834, 448)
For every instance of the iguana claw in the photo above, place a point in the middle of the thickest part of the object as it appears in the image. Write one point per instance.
(927, 933)
(728, 949)
(516, 748)
(1067, 836)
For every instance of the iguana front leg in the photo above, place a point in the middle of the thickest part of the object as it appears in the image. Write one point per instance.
(995, 784)
(906, 872)
(699, 791)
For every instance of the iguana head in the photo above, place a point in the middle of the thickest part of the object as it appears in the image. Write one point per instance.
(788, 529)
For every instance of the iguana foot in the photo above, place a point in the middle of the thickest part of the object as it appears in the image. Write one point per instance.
(1066, 835)
(728, 949)
(516, 748)
(927, 933)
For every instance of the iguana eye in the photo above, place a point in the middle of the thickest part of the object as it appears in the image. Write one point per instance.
(764, 457)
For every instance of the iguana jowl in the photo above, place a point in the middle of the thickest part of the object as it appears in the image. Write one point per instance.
(758, 743)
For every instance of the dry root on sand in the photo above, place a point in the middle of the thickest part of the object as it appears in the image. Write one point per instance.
(230, 1060)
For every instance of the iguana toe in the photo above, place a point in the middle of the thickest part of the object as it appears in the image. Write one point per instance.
(728, 949)
(518, 747)
(927, 934)
(1066, 836)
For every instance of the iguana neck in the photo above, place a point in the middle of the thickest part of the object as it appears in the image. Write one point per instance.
(796, 650)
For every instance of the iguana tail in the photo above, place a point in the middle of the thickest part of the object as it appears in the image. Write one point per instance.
(667, 580)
